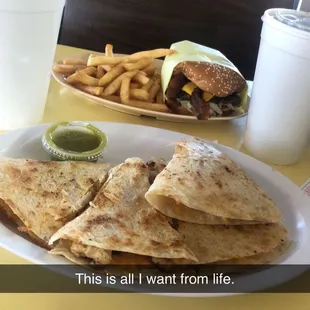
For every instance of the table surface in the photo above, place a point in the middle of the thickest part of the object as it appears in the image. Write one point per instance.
(64, 105)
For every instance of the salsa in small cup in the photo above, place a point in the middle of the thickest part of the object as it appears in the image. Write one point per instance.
(78, 141)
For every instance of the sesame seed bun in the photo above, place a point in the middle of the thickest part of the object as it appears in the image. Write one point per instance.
(213, 78)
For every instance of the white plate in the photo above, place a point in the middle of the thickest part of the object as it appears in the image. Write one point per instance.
(132, 140)
(142, 112)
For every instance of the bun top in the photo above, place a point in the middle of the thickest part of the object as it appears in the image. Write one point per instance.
(213, 78)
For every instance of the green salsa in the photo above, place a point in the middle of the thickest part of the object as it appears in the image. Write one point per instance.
(76, 140)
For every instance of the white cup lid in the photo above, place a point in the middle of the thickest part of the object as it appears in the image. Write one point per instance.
(296, 19)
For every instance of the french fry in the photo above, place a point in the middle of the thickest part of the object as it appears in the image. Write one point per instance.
(154, 89)
(100, 72)
(139, 94)
(65, 75)
(112, 98)
(93, 90)
(59, 68)
(148, 85)
(124, 92)
(107, 68)
(149, 70)
(140, 78)
(72, 79)
(109, 50)
(156, 53)
(80, 67)
(89, 57)
(89, 71)
(111, 75)
(160, 96)
(86, 79)
(130, 80)
(116, 84)
(138, 65)
(148, 106)
(134, 85)
(104, 60)
(75, 61)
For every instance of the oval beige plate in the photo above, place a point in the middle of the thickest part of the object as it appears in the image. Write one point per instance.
(142, 112)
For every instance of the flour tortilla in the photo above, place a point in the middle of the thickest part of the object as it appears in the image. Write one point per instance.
(262, 258)
(120, 219)
(42, 196)
(245, 264)
(81, 254)
(233, 244)
(63, 249)
(203, 185)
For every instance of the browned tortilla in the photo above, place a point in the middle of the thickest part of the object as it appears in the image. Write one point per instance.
(219, 243)
(42, 196)
(120, 219)
(203, 185)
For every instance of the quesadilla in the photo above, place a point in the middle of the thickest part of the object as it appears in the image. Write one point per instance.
(121, 220)
(203, 185)
(223, 244)
(42, 196)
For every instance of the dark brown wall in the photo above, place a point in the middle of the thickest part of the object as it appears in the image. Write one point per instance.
(232, 26)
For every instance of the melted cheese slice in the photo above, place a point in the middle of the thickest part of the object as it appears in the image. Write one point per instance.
(189, 88)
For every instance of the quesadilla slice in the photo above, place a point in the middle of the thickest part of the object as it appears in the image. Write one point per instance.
(231, 244)
(121, 220)
(42, 196)
(203, 185)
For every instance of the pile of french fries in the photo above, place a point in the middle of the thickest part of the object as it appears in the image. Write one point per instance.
(130, 80)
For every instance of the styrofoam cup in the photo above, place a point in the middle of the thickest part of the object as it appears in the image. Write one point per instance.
(278, 124)
(28, 38)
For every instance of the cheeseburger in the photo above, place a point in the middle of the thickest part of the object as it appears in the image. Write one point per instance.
(202, 87)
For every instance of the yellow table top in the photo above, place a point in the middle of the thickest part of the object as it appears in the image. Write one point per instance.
(64, 105)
